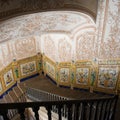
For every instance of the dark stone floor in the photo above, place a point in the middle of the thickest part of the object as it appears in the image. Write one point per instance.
(44, 83)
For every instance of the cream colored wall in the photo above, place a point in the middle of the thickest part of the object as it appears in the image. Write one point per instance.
(108, 34)
(108, 29)
(27, 35)
(16, 49)
(6, 55)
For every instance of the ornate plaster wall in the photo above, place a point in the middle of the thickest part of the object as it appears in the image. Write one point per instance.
(65, 37)
(56, 34)
(108, 32)
(72, 41)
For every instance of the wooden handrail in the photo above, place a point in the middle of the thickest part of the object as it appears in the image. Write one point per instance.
(74, 108)
(45, 103)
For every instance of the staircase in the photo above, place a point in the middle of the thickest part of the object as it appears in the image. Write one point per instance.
(39, 95)
(34, 104)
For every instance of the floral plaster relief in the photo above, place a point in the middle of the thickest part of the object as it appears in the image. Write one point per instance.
(109, 40)
(25, 48)
(34, 24)
(58, 47)
(6, 53)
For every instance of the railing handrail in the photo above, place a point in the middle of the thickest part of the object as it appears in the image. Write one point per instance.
(70, 106)
(45, 103)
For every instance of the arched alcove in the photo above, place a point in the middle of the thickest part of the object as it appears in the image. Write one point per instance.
(52, 33)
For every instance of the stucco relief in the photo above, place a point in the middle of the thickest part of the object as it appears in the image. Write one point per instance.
(25, 48)
(110, 40)
(100, 22)
(64, 50)
(36, 23)
(1, 59)
(110, 49)
(38, 44)
(49, 47)
(20, 29)
(6, 53)
(85, 46)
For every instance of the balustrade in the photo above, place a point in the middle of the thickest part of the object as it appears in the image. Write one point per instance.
(69, 109)
(86, 109)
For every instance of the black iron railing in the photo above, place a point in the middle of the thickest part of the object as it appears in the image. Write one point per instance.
(85, 109)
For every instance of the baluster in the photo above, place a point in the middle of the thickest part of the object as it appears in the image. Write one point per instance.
(63, 111)
(83, 111)
(112, 111)
(48, 108)
(114, 107)
(59, 112)
(101, 109)
(21, 112)
(56, 109)
(73, 112)
(105, 107)
(69, 112)
(90, 111)
(47, 96)
(96, 110)
(36, 109)
(4, 114)
(53, 97)
(109, 109)
(66, 111)
(53, 108)
(76, 112)
(9, 113)
(59, 98)
(50, 96)
(39, 94)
